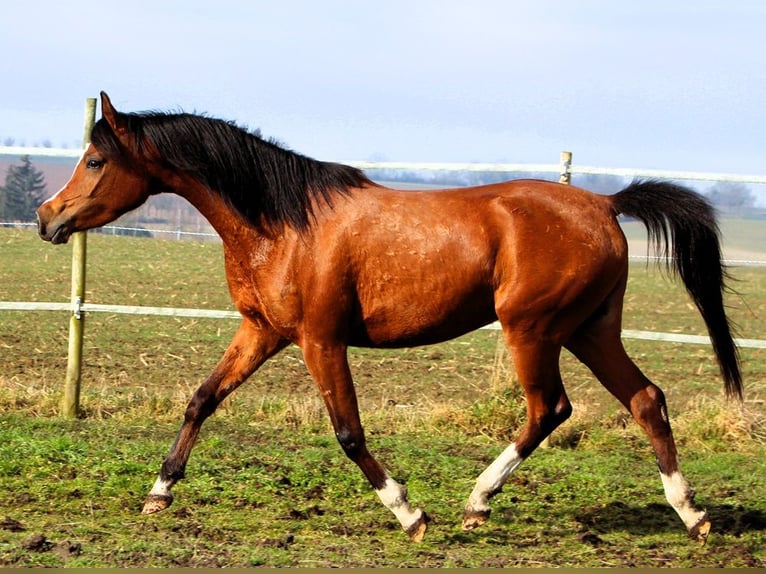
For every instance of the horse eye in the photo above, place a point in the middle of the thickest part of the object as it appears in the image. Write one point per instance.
(94, 164)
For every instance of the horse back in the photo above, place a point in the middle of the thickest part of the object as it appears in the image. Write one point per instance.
(421, 267)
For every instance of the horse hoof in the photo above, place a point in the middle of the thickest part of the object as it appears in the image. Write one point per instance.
(418, 529)
(700, 531)
(475, 518)
(156, 503)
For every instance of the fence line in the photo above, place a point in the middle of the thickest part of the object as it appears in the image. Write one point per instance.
(80, 308)
(134, 230)
(558, 168)
(730, 262)
(564, 169)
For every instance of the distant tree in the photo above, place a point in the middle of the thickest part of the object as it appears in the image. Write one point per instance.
(23, 191)
(9, 142)
(729, 197)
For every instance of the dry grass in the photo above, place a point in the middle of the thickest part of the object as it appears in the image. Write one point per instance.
(498, 412)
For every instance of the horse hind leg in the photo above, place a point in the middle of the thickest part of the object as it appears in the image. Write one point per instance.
(600, 348)
(537, 368)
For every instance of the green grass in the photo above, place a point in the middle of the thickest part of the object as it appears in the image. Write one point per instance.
(257, 495)
(268, 485)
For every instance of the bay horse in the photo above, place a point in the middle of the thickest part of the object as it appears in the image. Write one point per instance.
(319, 256)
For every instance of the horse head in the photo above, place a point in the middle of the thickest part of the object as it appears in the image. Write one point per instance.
(107, 182)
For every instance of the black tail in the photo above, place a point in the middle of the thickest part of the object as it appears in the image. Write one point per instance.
(679, 217)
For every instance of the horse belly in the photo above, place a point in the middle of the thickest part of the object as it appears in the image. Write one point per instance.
(422, 315)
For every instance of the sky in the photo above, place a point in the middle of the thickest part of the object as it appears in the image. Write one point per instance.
(660, 84)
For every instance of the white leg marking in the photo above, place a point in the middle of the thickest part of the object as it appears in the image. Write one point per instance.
(492, 479)
(161, 487)
(394, 497)
(679, 495)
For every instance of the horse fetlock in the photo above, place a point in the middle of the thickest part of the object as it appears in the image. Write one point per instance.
(156, 503)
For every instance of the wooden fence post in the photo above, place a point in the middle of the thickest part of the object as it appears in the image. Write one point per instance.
(566, 163)
(70, 405)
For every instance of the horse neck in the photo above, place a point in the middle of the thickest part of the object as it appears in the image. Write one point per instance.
(228, 223)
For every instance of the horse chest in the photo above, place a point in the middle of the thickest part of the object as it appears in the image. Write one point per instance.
(257, 293)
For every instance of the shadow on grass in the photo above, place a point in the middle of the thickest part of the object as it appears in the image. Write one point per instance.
(635, 520)
(651, 518)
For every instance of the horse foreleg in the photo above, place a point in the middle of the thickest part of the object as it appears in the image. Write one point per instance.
(252, 345)
(329, 368)
(547, 407)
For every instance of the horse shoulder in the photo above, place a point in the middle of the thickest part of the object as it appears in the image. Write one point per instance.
(258, 275)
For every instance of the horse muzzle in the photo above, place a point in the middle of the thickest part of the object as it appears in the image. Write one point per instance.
(57, 232)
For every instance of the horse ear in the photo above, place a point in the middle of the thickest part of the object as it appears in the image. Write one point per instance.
(112, 117)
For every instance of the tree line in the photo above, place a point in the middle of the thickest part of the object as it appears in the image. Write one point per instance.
(24, 189)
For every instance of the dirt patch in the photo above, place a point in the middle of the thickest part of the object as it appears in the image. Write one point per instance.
(11, 525)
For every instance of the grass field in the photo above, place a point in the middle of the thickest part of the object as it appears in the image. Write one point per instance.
(267, 483)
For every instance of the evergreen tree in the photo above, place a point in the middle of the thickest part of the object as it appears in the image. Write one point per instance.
(23, 191)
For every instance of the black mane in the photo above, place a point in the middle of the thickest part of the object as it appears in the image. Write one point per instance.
(256, 177)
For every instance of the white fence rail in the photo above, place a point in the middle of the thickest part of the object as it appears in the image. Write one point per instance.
(81, 308)
(561, 169)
